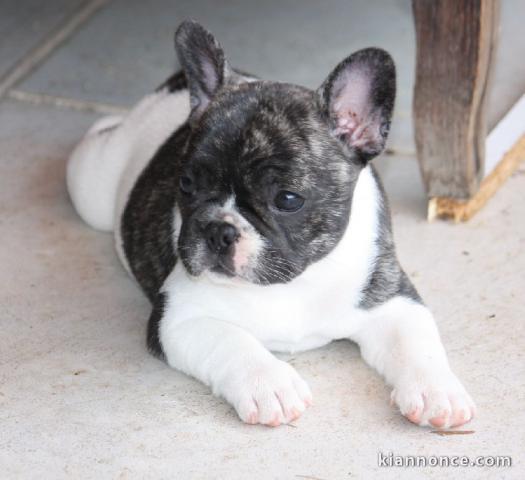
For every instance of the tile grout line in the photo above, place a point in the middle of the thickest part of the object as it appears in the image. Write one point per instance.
(65, 102)
(109, 109)
(30, 61)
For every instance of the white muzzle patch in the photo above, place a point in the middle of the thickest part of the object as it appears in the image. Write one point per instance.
(249, 245)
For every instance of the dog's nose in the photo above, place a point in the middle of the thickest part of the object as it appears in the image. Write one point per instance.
(220, 235)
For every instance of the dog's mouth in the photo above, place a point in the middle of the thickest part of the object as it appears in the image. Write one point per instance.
(198, 261)
(221, 268)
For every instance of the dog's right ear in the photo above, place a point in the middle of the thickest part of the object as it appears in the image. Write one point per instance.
(204, 65)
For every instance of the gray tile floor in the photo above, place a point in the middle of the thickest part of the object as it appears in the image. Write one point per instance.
(79, 395)
(24, 24)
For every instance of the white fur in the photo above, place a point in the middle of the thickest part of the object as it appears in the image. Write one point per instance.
(220, 330)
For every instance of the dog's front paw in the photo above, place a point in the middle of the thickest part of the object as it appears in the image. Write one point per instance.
(439, 400)
(270, 394)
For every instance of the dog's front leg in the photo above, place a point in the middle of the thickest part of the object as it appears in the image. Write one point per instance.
(400, 339)
(261, 388)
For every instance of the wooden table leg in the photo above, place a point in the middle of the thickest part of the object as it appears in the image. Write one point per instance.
(455, 44)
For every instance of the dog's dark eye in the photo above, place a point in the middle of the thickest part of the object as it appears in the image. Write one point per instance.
(186, 184)
(288, 201)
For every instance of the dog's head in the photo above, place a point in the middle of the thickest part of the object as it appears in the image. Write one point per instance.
(269, 170)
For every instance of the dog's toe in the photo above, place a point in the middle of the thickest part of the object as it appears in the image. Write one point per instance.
(434, 400)
(273, 396)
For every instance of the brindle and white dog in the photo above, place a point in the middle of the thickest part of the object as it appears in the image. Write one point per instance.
(248, 212)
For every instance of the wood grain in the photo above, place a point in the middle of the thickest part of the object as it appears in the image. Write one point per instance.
(455, 44)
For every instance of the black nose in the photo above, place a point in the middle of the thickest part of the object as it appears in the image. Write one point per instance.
(220, 235)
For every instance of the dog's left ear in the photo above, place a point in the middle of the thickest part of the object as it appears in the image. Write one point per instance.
(204, 65)
(358, 99)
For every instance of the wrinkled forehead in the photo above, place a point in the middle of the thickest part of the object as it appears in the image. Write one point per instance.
(265, 126)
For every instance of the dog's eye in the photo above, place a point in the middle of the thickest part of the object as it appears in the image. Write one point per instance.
(288, 201)
(186, 184)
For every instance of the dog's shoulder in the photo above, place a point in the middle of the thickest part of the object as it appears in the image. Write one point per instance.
(386, 279)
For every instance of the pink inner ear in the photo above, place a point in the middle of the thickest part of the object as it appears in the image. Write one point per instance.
(352, 110)
(210, 77)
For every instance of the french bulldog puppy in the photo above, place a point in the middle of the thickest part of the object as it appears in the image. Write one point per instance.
(248, 212)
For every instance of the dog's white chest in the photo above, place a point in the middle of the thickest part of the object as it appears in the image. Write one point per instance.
(290, 317)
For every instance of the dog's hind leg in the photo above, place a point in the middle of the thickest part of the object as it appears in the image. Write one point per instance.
(93, 173)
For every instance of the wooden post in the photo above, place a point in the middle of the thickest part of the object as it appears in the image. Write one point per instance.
(455, 44)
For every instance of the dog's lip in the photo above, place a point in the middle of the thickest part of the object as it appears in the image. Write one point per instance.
(219, 267)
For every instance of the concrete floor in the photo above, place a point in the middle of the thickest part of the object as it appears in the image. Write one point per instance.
(79, 395)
